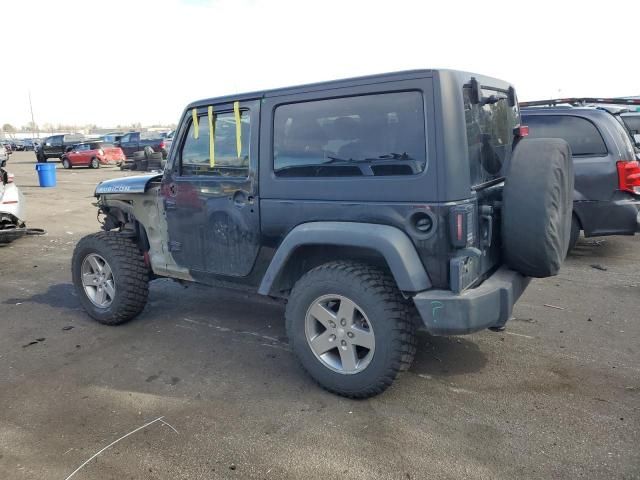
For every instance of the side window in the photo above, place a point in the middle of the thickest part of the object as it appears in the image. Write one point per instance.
(134, 137)
(125, 138)
(57, 141)
(368, 135)
(195, 152)
(582, 136)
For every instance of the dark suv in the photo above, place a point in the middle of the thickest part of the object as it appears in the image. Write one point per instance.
(607, 183)
(372, 205)
(56, 146)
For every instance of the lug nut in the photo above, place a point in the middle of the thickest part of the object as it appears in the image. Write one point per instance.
(350, 334)
(343, 343)
(333, 325)
(343, 322)
(332, 338)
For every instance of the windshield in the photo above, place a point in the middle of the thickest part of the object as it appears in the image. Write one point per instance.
(489, 134)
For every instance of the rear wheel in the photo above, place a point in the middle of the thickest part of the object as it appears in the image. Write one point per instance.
(94, 163)
(350, 328)
(575, 232)
(110, 277)
(66, 163)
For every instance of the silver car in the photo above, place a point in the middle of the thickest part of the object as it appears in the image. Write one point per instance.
(4, 156)
(12, 214)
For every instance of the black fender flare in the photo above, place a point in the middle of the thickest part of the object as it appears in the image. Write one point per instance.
(392, 243)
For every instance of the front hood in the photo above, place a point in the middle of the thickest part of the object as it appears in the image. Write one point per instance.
(137, 184)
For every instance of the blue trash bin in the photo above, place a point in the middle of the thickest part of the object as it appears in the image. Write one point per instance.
(46, 174)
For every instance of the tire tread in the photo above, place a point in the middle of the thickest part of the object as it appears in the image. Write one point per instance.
(398, 310)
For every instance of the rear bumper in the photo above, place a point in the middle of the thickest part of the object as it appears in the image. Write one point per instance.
(490, 304)
(619, 217)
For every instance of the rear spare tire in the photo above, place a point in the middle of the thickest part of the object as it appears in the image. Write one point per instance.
(537, 207)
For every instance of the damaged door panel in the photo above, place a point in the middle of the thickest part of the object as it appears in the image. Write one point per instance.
(210, 195)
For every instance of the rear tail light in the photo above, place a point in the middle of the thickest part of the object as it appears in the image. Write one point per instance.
(629, 176)
(521, 131)
(461, 226)
(162, 144)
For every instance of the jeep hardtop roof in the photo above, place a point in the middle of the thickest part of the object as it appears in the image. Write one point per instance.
(455, 76)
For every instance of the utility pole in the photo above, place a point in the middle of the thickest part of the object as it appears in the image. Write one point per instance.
(33, 123)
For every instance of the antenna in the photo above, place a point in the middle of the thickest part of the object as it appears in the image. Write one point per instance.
(33, 123)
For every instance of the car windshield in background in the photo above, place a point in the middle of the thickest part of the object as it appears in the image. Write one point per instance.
(489, 135)
(582, 136)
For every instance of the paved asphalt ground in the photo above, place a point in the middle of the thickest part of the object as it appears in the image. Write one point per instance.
(555, 396)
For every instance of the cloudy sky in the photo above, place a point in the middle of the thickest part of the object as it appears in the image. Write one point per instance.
(116, 61)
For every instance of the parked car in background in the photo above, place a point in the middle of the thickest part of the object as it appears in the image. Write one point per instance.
(19, 145)
(92, 155)
(29, 144)
(168, 140)
(7, 145)
(137, 141)
(607, 174)
(4, 156)
(57, 145)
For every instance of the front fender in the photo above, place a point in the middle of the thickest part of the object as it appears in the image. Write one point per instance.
(135, 184)
(393, 244)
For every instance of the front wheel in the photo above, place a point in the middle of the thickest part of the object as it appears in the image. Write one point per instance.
(94, 163)
(110, 277)
(350, 328)
(66, 163)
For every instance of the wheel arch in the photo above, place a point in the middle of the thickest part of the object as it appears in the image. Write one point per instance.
(312, 244)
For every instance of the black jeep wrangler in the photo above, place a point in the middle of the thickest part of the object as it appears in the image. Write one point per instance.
(374, 206)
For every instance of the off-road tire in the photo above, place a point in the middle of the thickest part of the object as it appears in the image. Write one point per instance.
(389, 314)
(94, 163)
(66, 163)
(537, 206)
(131, 276)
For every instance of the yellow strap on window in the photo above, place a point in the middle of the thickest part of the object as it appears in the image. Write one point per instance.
(196, 127)
(212, 138)
(236, 111)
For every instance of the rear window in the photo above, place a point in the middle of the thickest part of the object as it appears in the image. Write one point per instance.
(489, 135)
(582, 136)
(368, 135)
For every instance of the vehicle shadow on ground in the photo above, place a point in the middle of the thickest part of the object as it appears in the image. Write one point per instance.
(61, 295)
(446, 356)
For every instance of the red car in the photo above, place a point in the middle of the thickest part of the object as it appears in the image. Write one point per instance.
(93, 154)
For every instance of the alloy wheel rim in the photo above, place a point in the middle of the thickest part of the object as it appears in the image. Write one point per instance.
(98, 281)
(339, 334)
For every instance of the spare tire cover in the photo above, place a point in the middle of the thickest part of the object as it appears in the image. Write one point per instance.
(537, 204)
